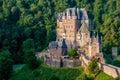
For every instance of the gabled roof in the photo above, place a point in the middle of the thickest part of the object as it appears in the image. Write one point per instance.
(53, 44)
(84, 28)
(56, 44)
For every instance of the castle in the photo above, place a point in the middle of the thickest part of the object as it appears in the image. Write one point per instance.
(73, 31)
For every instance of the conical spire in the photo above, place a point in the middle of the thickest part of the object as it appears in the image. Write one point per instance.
(78, 13)
(68, 12)
(92, 34)
(73, 11)
(64, 44)
(98, 39)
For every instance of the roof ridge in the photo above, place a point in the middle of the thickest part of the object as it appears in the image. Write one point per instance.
(84, 27)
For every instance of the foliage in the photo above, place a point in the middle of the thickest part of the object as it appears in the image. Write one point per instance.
(103, 76)
(21, 20)
(72, 52)
(54, 78)
(82, 77)
(109, 60)
(46, 73)
(18, 67)
(118, 78)
(36, 19)
(30, 59)
(117, 61)
(28, 44)
(5, 65)
(93, 66)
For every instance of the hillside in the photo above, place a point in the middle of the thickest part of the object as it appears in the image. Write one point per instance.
(27, 26)
(45, 72)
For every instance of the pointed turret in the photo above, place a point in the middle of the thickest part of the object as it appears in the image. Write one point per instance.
(98, 38)
(64, 14)
(78, 13)
(73, 11)
(63, 44)
(92, 34)
(68, 12)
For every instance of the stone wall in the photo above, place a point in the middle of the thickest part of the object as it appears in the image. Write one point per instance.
(111, 70)
(56, 62)
(83, 60)
(106, 68)
(71, 62)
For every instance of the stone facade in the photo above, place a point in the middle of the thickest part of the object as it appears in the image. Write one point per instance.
(73, 26)
(73, 31)
(61, 62)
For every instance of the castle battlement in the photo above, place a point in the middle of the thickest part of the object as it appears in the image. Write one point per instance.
(73, 13)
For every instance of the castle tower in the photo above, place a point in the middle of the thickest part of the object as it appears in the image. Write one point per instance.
(95, 47)
(70, 20)
(98, 43)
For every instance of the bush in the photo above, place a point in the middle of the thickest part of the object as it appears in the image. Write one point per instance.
(84, 77)
(93, 66)
(30, 59)
(54, 78)
(72, 52)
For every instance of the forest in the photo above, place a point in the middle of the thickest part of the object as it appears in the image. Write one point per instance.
(27, 26)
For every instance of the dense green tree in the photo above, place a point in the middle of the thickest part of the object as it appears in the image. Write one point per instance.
(6, 44)
(84, 77)
(15, 13)
(28, 44)
(93, 66)
(54, 77)
(98, 11)
(30, 59)
(5, 65)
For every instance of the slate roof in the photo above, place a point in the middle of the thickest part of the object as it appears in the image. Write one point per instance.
(92, 34)
(98, 38)
(53, 44)
(63, 44)
(79, 13)
(58, 44)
